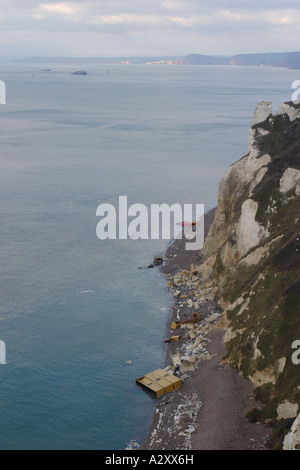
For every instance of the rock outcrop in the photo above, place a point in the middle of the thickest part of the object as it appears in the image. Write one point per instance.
(292, 439)
(251, 262)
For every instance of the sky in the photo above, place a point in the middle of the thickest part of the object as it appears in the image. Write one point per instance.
(127, 28)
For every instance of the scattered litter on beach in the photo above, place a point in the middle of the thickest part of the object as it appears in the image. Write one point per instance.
(157, 260)
(176, 428)
(172, 339)
(196, 318)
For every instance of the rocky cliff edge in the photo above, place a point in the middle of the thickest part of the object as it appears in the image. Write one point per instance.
(251, 264)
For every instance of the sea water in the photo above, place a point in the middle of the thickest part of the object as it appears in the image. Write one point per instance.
(79, 319)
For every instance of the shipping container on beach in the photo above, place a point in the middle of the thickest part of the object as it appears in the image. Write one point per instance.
(160, 382)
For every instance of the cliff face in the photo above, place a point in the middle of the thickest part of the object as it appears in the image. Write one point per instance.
(251, 262)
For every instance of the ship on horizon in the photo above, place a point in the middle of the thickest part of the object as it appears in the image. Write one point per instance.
(79, 72)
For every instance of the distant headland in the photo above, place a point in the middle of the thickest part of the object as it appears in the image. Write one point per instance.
(290, 60)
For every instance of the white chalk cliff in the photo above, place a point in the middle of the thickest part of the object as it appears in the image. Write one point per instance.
(251, 261)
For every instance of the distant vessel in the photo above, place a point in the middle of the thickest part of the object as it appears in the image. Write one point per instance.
(79, 72)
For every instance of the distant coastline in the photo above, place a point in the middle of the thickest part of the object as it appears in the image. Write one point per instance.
(289, 60)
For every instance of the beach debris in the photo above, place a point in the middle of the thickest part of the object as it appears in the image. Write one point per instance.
(172, 339)
(192, 334)
(176, 360)
(167, 401)
(160, 382)
(195, 344)
(158, 259)
(185, 377)
(178, 278)
(196, 318)
(193, 358)
(186, 366)
(173, 421)
(190, 430)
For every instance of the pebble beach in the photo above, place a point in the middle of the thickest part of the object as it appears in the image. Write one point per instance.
(208, 411)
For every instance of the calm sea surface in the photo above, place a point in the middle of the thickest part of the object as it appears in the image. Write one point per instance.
(74, 309)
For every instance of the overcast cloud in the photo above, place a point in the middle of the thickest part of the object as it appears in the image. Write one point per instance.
(148, 27)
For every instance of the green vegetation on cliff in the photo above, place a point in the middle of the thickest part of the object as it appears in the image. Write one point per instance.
(254, 252)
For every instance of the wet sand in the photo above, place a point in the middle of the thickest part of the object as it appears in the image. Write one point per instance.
(208, 411)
